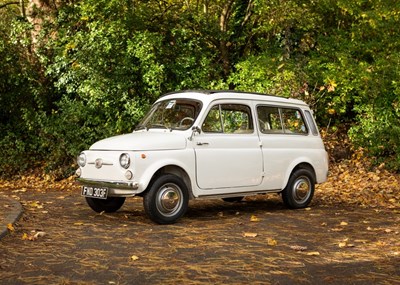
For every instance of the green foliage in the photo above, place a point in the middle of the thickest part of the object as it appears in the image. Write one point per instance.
(378, 128)
(90, 69)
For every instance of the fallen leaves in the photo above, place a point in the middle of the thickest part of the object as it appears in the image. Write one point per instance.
(355, 188)
(35, 204)
(10, 227)
(33, 237)
(345, 243)
(380, 243)
(134, 257)
(37, 180)
(263, 237)
(251, 235)
(313, 253)
(272, 242)
(354, 180)
(253, 218)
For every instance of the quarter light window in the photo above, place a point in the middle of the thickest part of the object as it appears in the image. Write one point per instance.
(311, 123)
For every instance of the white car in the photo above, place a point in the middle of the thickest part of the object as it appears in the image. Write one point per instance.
(207, 144)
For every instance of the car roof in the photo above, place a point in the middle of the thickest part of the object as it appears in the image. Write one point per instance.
(211, 95)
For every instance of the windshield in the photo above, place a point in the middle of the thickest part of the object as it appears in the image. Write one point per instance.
(176, 114)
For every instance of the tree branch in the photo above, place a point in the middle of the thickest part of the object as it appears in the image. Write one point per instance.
(249, 12)
(9, 3)
(224, 17)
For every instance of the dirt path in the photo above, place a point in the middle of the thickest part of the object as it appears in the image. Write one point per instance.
(254, 242)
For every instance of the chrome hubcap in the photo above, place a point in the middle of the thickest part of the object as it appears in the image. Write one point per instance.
(302, 189)
(169, 199)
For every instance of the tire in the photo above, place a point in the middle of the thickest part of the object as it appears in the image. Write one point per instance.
(166, 200)
(233, 199)
(299, 191)
(109, 205)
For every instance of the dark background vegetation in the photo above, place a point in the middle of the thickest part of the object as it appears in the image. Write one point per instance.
(73, 72)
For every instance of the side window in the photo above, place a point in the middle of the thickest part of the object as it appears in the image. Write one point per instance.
(277, 120)
(311, 123)
(269, 120)
(293, 122)
(229, 119)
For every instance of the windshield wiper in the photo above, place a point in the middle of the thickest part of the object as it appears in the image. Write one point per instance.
(141, 127)
(158, 126)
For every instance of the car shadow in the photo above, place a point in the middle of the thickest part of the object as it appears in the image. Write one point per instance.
(217, 208)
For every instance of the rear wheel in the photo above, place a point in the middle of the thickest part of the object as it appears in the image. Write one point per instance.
(167, 199)
(109, 205)
(299, 191)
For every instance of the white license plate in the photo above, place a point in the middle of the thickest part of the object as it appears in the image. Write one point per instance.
(95, 192)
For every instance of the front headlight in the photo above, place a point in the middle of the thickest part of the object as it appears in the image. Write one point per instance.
(82, 160)
(124, 160)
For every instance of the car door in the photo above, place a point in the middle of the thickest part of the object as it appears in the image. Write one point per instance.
(228, 152)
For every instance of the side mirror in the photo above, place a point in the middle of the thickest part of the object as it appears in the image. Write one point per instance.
(195, 129)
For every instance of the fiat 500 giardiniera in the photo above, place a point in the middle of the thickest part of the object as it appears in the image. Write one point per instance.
(207, 144)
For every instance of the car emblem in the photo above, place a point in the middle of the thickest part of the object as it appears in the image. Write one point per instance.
(98, 163)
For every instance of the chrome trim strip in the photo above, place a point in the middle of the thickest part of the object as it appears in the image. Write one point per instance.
(244, 194)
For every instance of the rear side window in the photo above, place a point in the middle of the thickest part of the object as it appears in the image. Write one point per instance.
(229, 119)
(281, 120)
(293, 122)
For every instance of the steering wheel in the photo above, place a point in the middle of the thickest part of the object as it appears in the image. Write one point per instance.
(262, 125)
(186, 119)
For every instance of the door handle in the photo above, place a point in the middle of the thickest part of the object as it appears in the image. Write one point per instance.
(202, 143)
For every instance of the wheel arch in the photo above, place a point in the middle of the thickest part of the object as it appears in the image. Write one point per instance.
(175, 170)
(300, 165)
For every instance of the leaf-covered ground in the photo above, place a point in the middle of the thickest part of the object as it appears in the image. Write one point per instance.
(355, 180)
(60, 240)
(350, 234)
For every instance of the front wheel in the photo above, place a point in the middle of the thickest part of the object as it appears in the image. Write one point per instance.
(300, 189)
(167, 199)
(109, 205)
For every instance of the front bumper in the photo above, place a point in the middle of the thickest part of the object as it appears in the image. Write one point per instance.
(116, 188)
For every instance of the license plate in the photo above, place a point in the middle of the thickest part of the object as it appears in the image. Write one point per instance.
(95, 192)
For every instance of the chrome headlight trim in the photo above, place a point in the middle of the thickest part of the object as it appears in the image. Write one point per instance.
(82, 160)
(125, 160)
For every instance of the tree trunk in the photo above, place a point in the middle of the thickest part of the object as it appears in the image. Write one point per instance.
(224, 44)
(22, 5)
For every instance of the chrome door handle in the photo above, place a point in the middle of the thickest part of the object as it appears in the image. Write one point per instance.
(202, 143)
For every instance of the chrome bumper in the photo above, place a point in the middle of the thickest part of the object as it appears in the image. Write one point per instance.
(109, 184)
